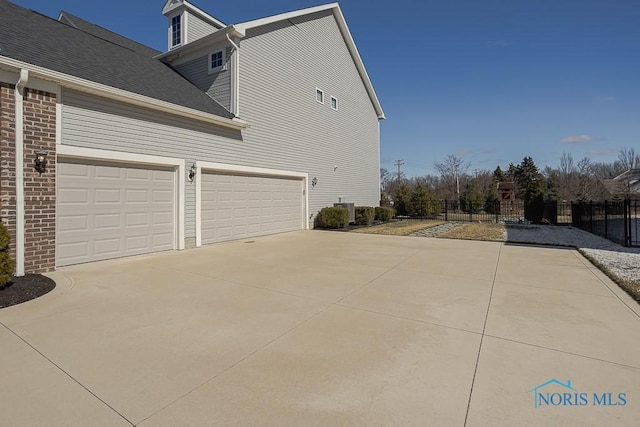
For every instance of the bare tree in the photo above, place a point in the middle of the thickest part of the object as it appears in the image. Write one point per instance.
(629, 160)
(452, 169)
(566, 177)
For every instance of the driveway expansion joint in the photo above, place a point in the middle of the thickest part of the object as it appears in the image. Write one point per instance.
(67, 374)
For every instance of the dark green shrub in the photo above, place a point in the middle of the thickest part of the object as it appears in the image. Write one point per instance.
(534, 209)
(365, 215)
(7, 265)
(332, 218)
(383, 213)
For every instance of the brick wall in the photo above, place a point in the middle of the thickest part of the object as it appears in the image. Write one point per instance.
(39, 189)
(8, 162)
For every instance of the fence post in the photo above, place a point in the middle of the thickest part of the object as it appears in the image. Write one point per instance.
(446, 210)
(496, 209)
(606, 220)
(627, 222)
(590, 216)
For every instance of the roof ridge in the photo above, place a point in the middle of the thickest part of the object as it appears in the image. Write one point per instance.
(73, 25)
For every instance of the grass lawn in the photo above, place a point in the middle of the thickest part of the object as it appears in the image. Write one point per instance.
(477, 231)
(398, 228)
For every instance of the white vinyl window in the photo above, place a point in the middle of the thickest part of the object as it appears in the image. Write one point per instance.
(216, 61)
(176, 30)
(319, 96)
(334, 102)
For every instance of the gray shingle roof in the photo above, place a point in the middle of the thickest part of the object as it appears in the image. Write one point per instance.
(36, 39)
(105, 34)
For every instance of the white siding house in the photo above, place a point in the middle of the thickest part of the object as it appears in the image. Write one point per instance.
(235, 131)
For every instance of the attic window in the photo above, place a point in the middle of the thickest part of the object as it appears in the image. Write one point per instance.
(216, 61)
(319, 96)
(176, 30)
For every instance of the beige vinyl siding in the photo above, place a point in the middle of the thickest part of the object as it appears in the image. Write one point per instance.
(281, 65)
(92, 122)
(197, 28)
(218, 84)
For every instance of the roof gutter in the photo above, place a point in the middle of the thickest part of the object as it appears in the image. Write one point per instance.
(122, 95)
(235, 78)
(19, 134)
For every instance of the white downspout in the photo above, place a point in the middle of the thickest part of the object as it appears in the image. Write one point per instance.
(236, 77)
(19, 130)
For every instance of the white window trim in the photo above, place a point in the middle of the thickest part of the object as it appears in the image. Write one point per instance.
(224, 61)
(248, 170)
(333, 98)
(318, 90)
(68, 151)
(182, 30)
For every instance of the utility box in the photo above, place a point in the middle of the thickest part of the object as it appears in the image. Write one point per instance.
(350, 207)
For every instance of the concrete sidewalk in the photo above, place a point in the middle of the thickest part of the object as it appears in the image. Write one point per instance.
(322, 328)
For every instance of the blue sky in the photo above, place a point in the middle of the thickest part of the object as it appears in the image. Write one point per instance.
(491, 81)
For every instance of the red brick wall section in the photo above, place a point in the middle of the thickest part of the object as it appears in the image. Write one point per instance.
(8, 162)
(40, 189)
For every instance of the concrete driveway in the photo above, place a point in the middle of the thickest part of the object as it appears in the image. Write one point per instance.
(322, 328)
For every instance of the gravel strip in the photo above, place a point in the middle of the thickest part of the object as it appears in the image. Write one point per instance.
(436, 231)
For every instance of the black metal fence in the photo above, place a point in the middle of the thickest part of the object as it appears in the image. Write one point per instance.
(497, 211)
(615, 220)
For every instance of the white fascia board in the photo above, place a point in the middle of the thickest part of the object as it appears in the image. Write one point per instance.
(243, 26)
(205, 15)
(357, 59)
(105, 91)
(342, 24)
(170, 5)
(33, 83)
(188, 48)
(69, 151)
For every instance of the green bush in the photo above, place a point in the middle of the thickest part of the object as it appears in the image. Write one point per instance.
(383, 213)
(7, 265)
(365, 215)
(332, 218)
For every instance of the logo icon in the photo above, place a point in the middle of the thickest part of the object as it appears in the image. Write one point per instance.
(556, 393)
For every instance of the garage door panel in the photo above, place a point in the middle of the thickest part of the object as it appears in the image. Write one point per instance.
(110, 195)
(137, 196)
(109, 210)
(104, 222)
(237, 206)
(102, 247)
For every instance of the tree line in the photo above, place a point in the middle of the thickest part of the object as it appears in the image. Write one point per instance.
(572, 180)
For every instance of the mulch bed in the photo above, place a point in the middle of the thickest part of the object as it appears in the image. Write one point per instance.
(25, 288)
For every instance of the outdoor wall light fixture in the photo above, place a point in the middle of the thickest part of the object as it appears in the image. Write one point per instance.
(192, 173)
(40, 162)
(314, 182)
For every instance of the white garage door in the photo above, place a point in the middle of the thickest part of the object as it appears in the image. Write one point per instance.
(108, 210)
(240, 206)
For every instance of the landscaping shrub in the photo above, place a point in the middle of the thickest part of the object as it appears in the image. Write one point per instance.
(365, 215)
(7, 265)
(383, 213)
(332, 218)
